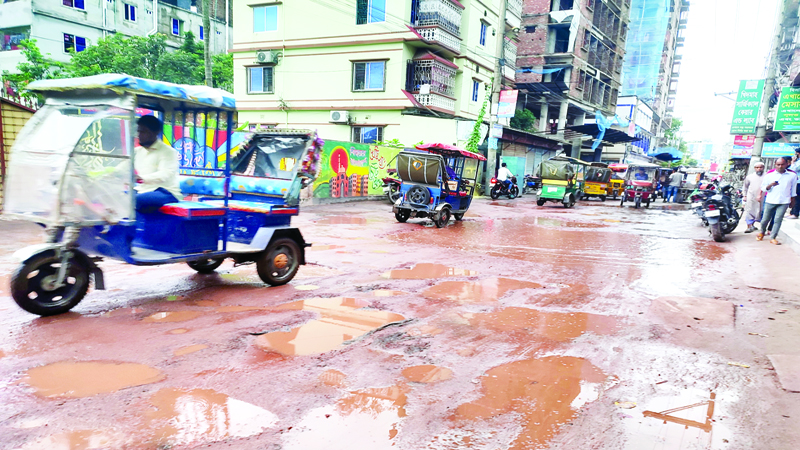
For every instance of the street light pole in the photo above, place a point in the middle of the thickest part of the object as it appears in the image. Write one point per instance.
(491, 159)
(769, 87)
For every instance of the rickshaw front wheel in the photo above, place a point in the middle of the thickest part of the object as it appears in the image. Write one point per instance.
(442, 218)
(279, 263)
(602, 198)
(540, 202)
(402, 215)
(205, 265)
(33, 285)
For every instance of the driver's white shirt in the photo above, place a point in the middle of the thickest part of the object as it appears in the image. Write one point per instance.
(157, 166)
(503, 174)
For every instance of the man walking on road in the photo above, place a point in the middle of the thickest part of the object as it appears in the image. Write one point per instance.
(780, 185)
(796, 169)
(752, 197)
(674, 186)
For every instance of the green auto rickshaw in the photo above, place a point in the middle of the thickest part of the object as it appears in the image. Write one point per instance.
(562, 180)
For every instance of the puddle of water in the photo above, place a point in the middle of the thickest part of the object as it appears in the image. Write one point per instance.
(178, 331)
(122, 312)
(306, 287)
(312, 271)
(547, 222)
(189, 349)
(340, 320)
(387, 293)
(324, 247)
(544, 393)
(203, 415)
(368, 419)
(425, 330)
(77, 379)
(79, 440)
(342, 220)
(171, 316)
(2, 354)
(427, 374)
(240, 308)
(489, 289)
(561, 327)
(333, 378)
(424, 271)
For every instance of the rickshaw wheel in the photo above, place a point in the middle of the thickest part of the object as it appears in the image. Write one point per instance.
(278, 265)
(602, 198)
(205, 265)
(30, 290)
(444, 216)
(402, 215)
(458, 216)
(637, 203)
(540, 202)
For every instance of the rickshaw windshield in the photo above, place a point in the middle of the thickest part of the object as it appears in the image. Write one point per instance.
(71, 165)
(271, 156)
(641, 173)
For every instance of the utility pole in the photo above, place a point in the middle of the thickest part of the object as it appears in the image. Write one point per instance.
(208, 33)
(769, 87)
(491, 156)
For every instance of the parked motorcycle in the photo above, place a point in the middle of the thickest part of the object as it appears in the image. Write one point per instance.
(720, 213)
(531, 184)
(391, 187)
(500, 188)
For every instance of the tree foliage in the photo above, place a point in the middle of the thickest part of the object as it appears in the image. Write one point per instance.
(523, 120)
(138, 56)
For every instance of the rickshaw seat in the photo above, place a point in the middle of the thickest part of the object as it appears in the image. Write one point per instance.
(191, 210)
(255, 207)
(462, 194)
(199, 185)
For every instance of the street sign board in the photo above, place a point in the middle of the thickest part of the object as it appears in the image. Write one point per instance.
(788, 118)
(507, 105)
(745, 113)
(743, 146)
(776, 149)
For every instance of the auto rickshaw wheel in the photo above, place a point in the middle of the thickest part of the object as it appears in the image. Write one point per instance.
(647, 203)
(418, 195)
(205, 265)
(402, 215)
(458, 216)
(540, 202)
(279, 263)
(602, 198)
(33, 289)
(442, 218)
(637, 203)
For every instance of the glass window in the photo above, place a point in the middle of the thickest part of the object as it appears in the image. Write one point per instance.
(10, 38)
(265, 18)
(368, 76)
(130, 12)
(177, 27)
(367, 135)
(77, 4)
(475, 86)
(72, 42)
(202, 36)
(370, 11)
(261, 80)
(483, 33)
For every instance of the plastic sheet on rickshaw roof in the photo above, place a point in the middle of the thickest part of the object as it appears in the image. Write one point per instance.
(72, 165)
(419, 168)
(556, 170)
(598, 174)
(271, 156)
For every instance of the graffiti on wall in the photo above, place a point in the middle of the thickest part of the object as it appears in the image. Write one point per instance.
(344, 170)
(381, 159)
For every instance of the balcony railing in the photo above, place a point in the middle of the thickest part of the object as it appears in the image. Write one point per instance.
(436, 101)
(439, 80)
(509, 59)
(514, 13)
(438, 21)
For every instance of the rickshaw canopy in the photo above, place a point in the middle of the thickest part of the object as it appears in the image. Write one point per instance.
(419, 167)
(556, 169)
(449, 151)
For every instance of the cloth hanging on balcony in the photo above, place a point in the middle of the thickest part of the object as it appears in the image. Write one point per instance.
(540, 71)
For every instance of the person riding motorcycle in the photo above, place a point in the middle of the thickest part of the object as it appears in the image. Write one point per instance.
(504, 175)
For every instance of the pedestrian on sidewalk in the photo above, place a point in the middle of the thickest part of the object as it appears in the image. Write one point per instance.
(795, 167)
(674, 185)
(781, 187)
(752, 197)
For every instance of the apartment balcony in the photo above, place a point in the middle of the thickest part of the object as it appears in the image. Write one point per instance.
(15, 14)
(438, 22)
(431, 80)
(509, 59)
(514, 13)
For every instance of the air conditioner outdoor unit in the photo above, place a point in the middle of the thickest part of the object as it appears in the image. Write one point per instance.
(340, 116)
(267, 57)
(794, 138)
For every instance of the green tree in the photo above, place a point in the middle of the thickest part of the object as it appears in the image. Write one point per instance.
(523, 120)
(135, 55)
(35, 67)
(222, 71)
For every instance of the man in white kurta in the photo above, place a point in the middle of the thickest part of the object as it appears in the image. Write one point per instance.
(752, 197)
(156, 165)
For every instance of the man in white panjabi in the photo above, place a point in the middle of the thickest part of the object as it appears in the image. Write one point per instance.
(752, 197)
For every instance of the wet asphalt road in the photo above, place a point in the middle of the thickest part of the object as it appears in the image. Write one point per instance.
(521, 327)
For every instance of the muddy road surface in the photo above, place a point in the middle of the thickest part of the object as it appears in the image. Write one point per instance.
(520, 327)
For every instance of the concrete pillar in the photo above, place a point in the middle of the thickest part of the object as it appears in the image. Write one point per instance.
(562, 118)
(576, 143)
(580, 119)
(544, 113)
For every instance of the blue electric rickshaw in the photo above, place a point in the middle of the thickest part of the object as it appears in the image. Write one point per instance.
(71, 170)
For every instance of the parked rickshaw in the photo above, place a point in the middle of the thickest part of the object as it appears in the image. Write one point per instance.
(438, 181)
(617, 183)
(71, 170)
(598, 176)
(640, 184)
(562, 180)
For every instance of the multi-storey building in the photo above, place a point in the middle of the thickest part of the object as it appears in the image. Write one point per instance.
(370, 70)
(61, 26)
(653, 59)
(570, 56)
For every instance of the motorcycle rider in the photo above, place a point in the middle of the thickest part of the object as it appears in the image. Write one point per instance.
(504, 175)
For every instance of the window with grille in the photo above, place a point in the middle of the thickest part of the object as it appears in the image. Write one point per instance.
(77, 4)
(581, 79)
(265, 18)
(367, 135)
(475, 87)
(369, 76)
(370, 11)
(260, 80)
(72, 42)
(483, 33)
(130, 12)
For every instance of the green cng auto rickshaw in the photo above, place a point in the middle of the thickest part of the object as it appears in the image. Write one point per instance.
(562, 180)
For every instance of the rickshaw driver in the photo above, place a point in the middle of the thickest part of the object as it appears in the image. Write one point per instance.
(156, 166)
(504, 175)
(640, 175)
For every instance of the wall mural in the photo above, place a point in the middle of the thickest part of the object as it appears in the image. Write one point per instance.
(343, 170)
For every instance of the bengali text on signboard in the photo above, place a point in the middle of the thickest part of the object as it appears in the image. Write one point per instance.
(745, 113)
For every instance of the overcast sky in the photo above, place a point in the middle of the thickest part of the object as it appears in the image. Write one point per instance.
(726, 41)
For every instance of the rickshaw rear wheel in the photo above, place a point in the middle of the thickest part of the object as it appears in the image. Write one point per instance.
(32, 290)
(402, 215)
(602, 198)
(279, 263)
(637, 203)
(205, 265)
(458, 216)
(442, 218)
(540, 202)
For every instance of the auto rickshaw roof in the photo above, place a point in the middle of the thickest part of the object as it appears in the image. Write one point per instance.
(202, 96)
(570, 160)
(449, 151)
(643, 166)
